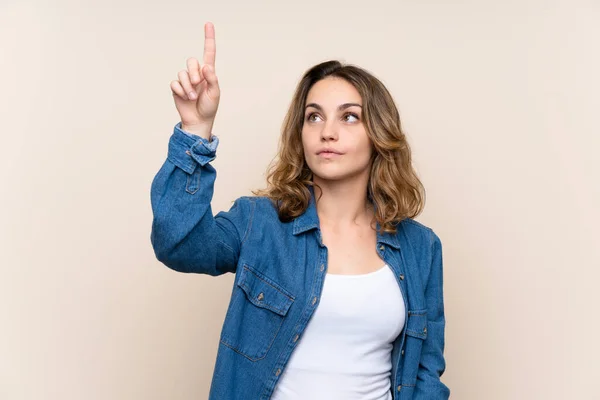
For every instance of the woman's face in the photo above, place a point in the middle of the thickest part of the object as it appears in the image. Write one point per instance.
(335, 142)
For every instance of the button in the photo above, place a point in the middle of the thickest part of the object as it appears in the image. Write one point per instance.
(278, 372)
(314, 300)
(188, 153)
(260, 296)
(399, 387)
(322, 267)
(401, 277)
(402, 352)
(381, 247)
(425, 330)
(296, 338)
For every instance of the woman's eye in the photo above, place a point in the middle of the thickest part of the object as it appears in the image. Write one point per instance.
(310, 117)
(348, 117)
(351, 115)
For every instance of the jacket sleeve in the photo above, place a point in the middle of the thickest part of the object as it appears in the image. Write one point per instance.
(185, 235)
(433, 364)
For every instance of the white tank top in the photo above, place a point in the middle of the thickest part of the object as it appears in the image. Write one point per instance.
(345, 351)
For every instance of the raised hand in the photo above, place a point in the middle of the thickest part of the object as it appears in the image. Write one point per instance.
(196, 91)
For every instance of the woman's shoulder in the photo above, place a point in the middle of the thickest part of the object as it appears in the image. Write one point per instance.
(258, 205)
(261, 202)
(417, 232)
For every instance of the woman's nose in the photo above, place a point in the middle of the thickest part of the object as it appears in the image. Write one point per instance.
(329, 132)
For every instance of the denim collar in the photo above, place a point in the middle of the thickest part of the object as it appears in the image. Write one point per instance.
(309, 220)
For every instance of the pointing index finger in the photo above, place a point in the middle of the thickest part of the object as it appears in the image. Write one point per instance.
(210, 48)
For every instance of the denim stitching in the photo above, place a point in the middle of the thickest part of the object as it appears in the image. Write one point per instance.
(280, 290)
(192, 179)
(183, 165)
(272, 340)
(261, 305)
(250, 220)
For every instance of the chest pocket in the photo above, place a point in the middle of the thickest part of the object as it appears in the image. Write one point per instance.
(256, 312)
(416, 333)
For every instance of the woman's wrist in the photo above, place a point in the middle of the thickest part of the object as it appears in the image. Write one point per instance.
(204, 130)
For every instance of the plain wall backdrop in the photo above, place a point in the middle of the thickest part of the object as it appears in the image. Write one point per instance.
(499, 100)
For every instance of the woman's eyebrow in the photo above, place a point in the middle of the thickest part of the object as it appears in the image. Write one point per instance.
(340, 108)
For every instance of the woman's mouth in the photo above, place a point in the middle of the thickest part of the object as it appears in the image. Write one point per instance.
(328, 154)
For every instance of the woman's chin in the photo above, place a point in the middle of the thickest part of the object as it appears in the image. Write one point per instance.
(331, 176)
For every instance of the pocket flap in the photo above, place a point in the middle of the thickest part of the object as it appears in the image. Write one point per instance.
(263, 292)
(417, 324)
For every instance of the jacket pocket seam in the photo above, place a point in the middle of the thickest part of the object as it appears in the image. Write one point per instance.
(266, 280)
(276, 301)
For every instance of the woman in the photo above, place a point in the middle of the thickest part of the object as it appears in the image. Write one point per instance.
(338, 292)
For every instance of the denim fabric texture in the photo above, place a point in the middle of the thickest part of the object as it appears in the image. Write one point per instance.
(279, 272)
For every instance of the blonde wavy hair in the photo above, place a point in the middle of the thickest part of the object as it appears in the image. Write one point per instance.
(394, 188)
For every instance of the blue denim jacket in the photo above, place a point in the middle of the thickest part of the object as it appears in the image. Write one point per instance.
(279, 271)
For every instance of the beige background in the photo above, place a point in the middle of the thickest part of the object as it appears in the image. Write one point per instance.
(499, 100)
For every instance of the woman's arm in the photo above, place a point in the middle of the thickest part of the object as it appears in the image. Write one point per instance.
(185, 235)
(433, 364)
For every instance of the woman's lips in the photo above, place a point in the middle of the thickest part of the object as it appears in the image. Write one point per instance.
(328, 154)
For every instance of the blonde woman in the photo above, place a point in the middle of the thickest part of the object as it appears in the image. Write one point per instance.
(338, 291)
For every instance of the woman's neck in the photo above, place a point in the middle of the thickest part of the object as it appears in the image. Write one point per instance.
(343, 203)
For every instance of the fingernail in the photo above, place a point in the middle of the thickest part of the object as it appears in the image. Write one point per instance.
(192, 95)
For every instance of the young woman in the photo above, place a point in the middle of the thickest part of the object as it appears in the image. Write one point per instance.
(338, 291)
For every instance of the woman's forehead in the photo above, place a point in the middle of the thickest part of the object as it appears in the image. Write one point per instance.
(332, 92)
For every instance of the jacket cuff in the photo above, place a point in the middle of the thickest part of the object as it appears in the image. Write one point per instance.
(187, 150)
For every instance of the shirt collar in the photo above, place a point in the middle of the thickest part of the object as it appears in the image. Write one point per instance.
(309, 220)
